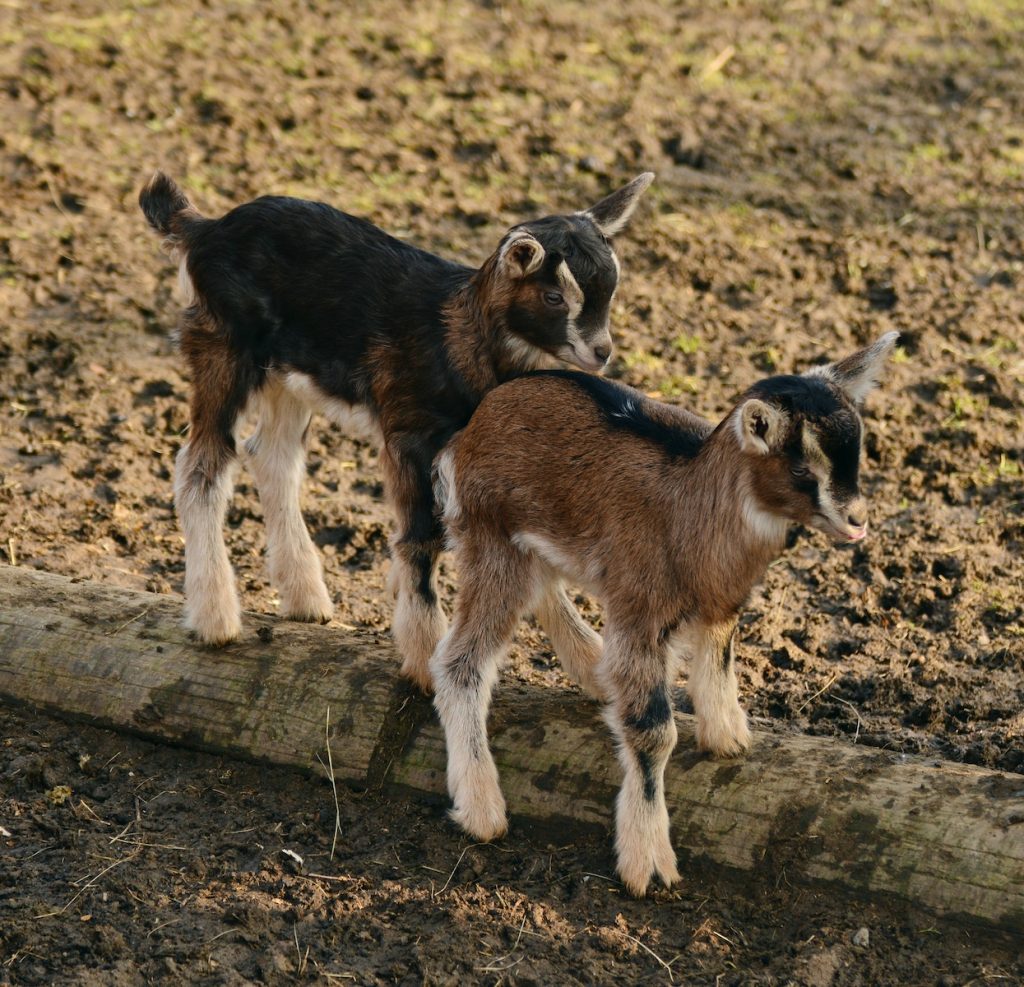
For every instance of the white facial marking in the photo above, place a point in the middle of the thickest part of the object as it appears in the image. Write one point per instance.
(768, 527)
(836, 524)
(571, 290)
(577, 350)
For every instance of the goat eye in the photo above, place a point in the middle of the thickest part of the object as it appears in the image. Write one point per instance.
(553, 298)
(800, 472)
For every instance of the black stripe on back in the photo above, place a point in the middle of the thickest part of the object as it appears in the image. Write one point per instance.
(623, 407)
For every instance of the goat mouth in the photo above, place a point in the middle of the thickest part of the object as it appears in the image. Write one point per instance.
(582, 359)
(842, 534)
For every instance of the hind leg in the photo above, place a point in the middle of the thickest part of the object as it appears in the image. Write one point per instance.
(576, 643)
(204, 480)
(497, 582)
(419, 622)
(277, 456)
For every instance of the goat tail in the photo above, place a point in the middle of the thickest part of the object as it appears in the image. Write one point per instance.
(165, 205)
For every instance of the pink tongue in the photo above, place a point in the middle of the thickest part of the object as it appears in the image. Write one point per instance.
(858, 536)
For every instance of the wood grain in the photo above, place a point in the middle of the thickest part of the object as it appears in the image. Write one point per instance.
(799, 809)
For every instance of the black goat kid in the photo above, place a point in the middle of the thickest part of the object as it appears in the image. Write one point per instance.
(293, 306)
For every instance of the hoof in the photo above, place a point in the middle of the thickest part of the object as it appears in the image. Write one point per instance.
(482, 822)
(419, 674)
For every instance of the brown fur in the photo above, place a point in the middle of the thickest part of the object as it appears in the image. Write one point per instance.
(669, 521)
(595, 516)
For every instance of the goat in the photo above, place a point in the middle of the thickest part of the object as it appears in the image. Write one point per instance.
(669, 521)
(294, 306)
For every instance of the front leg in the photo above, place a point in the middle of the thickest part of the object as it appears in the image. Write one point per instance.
(721, 723)
(635, 674)
(419, 622)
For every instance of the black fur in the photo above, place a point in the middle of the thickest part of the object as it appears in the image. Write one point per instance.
(302, 285)
(650, 779)
(812, 397)
(841, 442)
(624, 407)
(161, 200)
(838, 426)
(657, 713)
(288, 285)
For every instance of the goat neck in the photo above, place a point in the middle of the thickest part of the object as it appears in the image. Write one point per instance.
(482, 347)
(726, 539)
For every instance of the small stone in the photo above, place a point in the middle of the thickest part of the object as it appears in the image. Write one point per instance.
(862, 937)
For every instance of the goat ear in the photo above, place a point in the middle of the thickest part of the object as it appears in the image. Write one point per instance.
(759, 426)
(521, 255)
(612, 213)
(858, 375)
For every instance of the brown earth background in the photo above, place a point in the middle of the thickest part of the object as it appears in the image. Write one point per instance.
(826, 172)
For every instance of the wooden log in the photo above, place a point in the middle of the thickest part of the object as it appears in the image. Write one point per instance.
(823, 812)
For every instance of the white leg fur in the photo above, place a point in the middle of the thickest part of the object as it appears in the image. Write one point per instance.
(277, 457)
(463, 693)
(417, 627)
(576, 643)
(721, 723)
(643, 845)
(212, 609)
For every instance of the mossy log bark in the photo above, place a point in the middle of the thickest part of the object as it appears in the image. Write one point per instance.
(805, 810)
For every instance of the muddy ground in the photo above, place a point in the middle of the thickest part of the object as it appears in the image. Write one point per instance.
(826, 172)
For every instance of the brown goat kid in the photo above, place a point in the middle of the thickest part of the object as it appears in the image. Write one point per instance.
(670, 522)
(295, 307)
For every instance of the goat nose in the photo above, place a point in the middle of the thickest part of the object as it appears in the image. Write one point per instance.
(602, 352)
(857, 512)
